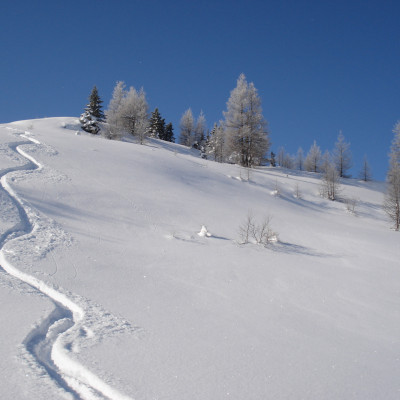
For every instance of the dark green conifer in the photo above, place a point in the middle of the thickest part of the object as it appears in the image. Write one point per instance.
(93, 113)
(169, 133)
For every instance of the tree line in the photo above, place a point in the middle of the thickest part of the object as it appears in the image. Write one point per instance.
(127, 113)
(242, 137)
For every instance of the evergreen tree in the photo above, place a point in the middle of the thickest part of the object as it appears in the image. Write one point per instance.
(245, 127)
(169, 133)
(342, 156)
(272, 160)
(93, 115)
(157, 125)
(215, 143)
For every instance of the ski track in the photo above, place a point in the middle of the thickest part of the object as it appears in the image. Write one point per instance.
(51, 341)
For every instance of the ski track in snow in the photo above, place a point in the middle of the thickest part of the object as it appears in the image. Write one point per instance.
(52, 341)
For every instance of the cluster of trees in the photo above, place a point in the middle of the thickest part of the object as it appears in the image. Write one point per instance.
(127, 113)
(339, 159)
(242, 137)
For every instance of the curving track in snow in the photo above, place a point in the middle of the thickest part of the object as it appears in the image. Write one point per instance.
(50, 343)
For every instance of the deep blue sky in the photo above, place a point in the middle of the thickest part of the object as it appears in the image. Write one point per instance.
(319, 66)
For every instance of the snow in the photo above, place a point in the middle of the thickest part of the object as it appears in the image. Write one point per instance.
(113, 286)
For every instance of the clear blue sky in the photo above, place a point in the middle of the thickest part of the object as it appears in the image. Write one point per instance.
(319, 66)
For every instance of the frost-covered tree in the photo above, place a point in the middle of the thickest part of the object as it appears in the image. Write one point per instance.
(134, 114)
(113, 112)
(330, 187)
(93, 115)
(156, 125)
(365, 172)
(288, 161)
(200, 131)
(326, 161)
(245, 127)
(187, 128)
(342, 156)
(281, 156)
(313, 159)
(392, 198)
(300, 159)
(215, 143)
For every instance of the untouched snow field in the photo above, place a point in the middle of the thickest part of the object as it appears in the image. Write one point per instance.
(122, 277)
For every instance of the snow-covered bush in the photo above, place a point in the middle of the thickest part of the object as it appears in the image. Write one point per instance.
(351, 204)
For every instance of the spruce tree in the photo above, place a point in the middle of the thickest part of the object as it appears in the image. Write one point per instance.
(169, 133)
(272, 160)
(157, 125)
(92, 116)
(215, 146)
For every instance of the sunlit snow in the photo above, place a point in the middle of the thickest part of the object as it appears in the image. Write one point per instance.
(123, 276)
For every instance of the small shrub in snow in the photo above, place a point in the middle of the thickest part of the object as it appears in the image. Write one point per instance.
(259, 233)
(245, 174)
(351, 204)
(297, 192)
(277, 189)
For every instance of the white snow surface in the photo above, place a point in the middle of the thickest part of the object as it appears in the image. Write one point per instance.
(109, 290)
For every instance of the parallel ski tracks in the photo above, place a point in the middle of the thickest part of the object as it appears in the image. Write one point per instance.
(50, 342)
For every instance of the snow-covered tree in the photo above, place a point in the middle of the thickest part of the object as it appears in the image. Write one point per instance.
(200, 131)
(365, 173)
(156, 125)
(288, 161)
(281, 156)
(300, 159)
(330, 187)
(134, 114)
(313, 159)
(113, 112)
(245, 127)
(187, 129)
(326, 161)
(93, 115)
(342, 156)
(215, 143)
(392, 198)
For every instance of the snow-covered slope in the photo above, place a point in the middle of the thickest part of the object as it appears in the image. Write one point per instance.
(108, 291)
